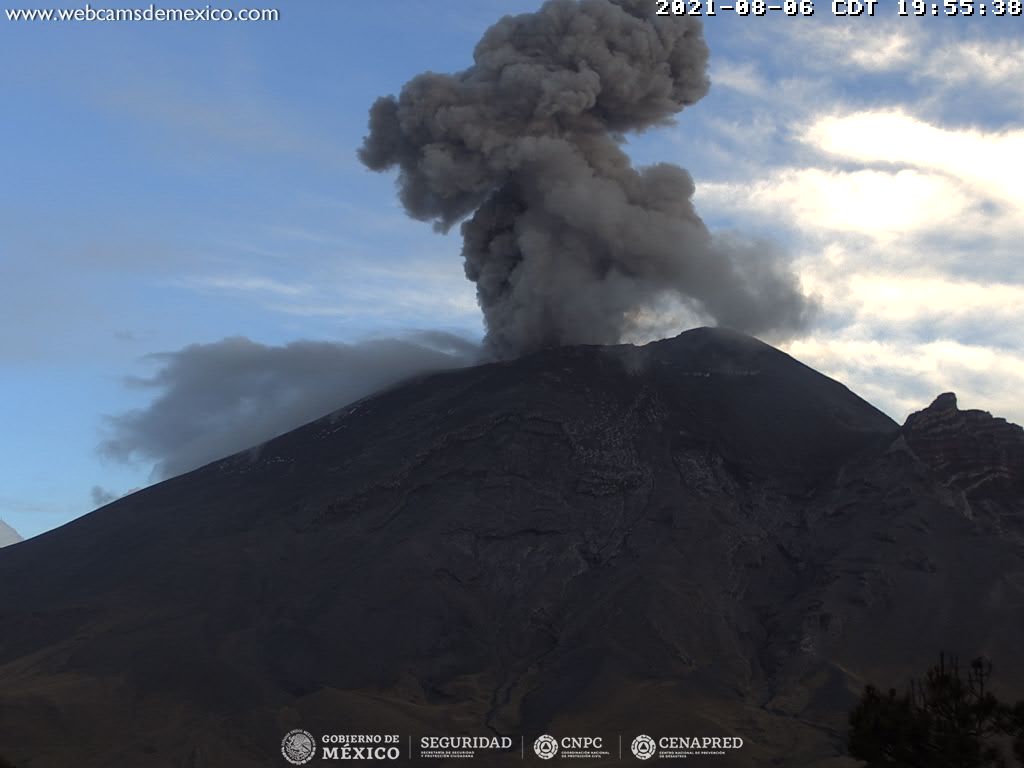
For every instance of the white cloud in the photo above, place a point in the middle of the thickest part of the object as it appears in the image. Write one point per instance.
(738, 76)
(416, 289)
(991, 62)
(915, 180)
(830, 43)
(879, 52)
(899, 298)
(876, 203)
(866, 47)
(885, 206)
(902, 376)
(992, 163)
(243, 284)
(386, 302)
(915, 52)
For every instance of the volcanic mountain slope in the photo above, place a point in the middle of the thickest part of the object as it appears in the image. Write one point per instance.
(701, 536)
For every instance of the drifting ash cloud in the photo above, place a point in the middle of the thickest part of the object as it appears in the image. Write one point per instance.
(219, 398)
(565, 240)
(101, 496)
(8, 535)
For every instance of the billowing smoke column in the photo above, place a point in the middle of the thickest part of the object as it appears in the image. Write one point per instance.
(567, 240)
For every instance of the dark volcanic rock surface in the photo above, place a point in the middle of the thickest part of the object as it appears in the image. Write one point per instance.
(979, 457)
(697, 537)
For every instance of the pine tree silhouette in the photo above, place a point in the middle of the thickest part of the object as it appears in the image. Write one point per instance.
(945, 720)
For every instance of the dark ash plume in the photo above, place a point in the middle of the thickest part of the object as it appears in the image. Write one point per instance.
(566, 240)
(219, 398)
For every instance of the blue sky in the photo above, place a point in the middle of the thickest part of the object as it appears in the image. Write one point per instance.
(167, 185)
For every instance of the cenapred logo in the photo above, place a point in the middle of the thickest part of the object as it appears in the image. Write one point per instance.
(644, 747)
(680, 747)
(298, 746)
(546, 747)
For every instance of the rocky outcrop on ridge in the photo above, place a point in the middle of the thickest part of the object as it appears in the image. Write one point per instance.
(980, 458)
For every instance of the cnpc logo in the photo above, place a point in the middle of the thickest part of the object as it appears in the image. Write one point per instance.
(548, 746)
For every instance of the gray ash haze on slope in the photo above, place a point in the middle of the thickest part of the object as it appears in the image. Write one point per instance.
(565, 240)
(8, 535)
(230, 395)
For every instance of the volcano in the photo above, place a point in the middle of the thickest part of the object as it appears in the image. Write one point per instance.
(697, 537)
